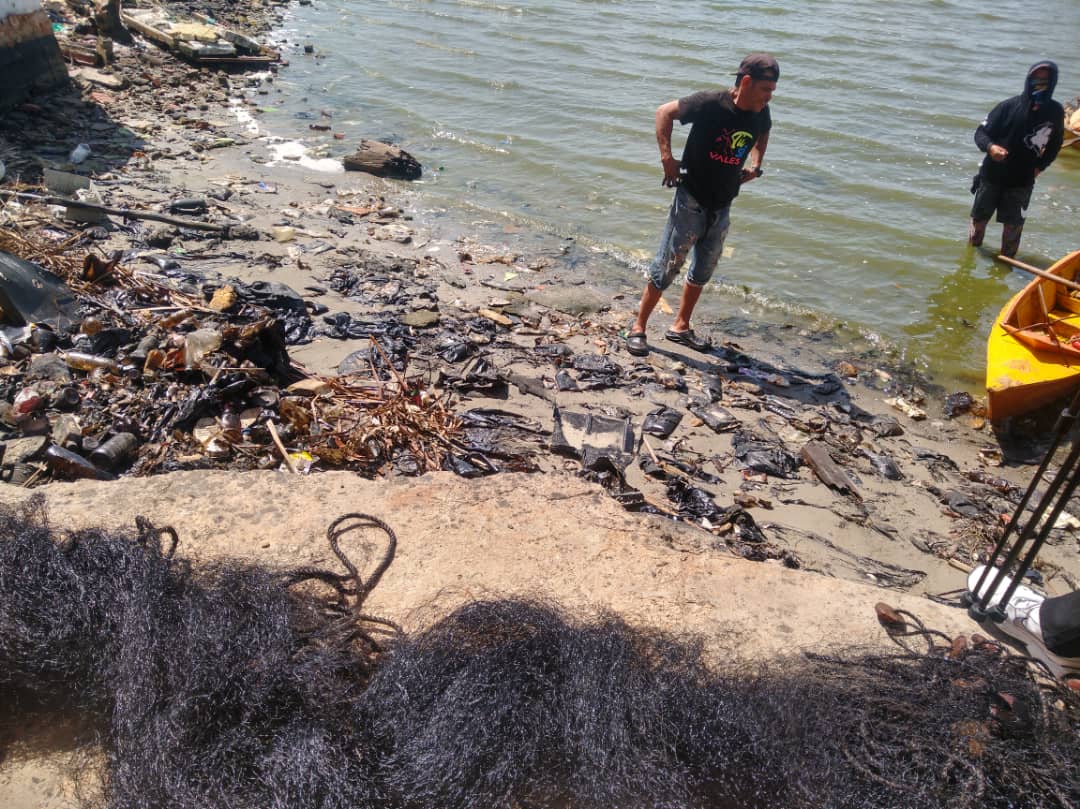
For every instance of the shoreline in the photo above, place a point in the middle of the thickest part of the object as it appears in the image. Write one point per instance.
(560, 478)
(720, 529)
(783, 385)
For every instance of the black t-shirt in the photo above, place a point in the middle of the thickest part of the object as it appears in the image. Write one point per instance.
(720, 139)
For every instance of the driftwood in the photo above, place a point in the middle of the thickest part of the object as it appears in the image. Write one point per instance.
(530, 387)
(121, 212)
(816, 455)
(383, 160)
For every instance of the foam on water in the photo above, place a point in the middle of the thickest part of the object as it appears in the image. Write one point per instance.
(297, 153)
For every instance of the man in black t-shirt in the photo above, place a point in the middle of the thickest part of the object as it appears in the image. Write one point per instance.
(728, 135)
(1021, 137)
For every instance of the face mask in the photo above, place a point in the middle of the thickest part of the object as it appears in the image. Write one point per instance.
(1040, 91)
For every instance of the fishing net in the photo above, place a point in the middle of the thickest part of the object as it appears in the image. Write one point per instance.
(228, 684)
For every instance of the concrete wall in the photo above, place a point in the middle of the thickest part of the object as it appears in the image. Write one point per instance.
(30, 59)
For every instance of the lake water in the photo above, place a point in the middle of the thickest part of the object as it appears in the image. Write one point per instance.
(537, 119)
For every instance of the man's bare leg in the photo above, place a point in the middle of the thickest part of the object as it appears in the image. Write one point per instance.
(649, 298)
(690, 295)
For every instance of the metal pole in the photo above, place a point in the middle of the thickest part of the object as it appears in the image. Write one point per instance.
(977, 605)
(1036, 546)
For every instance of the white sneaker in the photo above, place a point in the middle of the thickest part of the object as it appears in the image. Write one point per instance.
(1022, 620)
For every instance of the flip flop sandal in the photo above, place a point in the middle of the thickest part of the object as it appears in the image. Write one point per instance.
(636, 344)
(689, 339)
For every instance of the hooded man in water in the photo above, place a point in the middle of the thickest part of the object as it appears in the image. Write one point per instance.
(1021, 137)
(728, 134)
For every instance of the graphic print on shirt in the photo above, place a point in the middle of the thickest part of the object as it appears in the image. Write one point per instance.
(1038, 140)
(731, 147)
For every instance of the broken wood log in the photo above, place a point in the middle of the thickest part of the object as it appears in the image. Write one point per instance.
(816, 455)
(383, 160)
(530, 387)
(121, 212)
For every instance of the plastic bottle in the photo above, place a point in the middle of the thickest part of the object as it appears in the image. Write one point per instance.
(115, 452)
(198, 344)
(79, 153)
(81, 361)
(67, 432)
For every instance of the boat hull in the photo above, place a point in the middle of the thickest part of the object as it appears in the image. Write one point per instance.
(1033, 354)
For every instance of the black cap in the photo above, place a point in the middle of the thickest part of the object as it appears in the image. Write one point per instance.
(760, 66)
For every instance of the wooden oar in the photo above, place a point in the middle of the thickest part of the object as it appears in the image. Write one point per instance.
(1041, 273)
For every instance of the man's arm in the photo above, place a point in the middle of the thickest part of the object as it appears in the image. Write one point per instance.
(666, 115)
(753, 160)
(757, 154)
(988, 131)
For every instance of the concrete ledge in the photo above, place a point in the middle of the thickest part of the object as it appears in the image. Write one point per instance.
(551, 535)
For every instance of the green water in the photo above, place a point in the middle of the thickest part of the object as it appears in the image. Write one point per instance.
(537, 118)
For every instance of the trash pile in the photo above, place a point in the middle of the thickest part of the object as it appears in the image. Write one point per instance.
(144, 361)
(106, 369)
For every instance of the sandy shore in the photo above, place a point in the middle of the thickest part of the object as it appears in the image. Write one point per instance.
(910, 523)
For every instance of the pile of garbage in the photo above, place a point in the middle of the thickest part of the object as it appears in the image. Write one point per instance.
(106, 370)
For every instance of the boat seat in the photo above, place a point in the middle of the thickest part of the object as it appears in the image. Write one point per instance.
(1066, 301)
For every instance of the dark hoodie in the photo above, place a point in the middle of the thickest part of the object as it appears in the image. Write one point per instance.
(1032, 136)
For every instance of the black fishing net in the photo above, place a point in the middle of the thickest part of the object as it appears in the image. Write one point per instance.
(231, 685)
(226, 685)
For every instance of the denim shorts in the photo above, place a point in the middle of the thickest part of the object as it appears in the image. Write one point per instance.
(1010, 203)
(690, 227)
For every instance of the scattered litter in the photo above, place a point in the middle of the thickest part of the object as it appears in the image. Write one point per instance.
(910, 410)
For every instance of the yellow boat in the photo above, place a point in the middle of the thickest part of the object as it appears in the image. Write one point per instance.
(1072, 124)
(1033, 353)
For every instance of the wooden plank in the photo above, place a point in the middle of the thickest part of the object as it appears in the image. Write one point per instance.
(816, 455)
(147, 30)
(237, 60)
(241, 41)
(202, 51)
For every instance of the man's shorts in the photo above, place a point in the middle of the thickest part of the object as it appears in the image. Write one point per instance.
(1010, 203)
(690, 227)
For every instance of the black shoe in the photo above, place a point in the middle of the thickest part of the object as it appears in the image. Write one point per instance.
(636, 344)
(689, 339)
